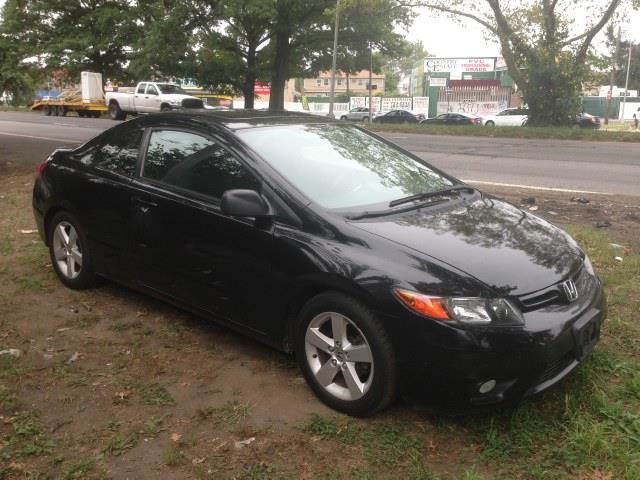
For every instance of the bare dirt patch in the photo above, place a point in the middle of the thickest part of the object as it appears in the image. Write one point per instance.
(112, 384)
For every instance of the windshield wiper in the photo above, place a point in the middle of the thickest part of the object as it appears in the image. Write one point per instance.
(435, 193)
(381, 213)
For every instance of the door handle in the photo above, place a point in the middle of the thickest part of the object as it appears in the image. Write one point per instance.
(146, 96)
(144, 204)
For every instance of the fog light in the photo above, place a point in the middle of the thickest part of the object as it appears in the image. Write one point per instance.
(487, 386)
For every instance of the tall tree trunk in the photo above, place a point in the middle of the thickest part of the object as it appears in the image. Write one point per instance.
(248, 88)
(281, 61)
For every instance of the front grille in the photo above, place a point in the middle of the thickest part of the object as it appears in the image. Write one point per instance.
(555, 295)
(192, 103)
(551, 296)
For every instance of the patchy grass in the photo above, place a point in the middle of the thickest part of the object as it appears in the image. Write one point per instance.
(558, 133)
(156, 394)
(120, 442)
(230, 414)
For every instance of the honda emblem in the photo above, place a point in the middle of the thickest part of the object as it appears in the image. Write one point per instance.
(570, 290)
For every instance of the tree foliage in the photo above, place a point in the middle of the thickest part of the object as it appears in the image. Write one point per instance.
(224, 45)
(545, 52)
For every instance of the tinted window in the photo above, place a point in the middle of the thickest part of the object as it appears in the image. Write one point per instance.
(141, 87)
(341, 167)
(151, 90)
(191, 161)
(116, 152)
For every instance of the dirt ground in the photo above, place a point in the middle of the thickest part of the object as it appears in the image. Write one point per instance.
(111, 384)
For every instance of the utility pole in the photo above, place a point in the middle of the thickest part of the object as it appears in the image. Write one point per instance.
(626, 82)
(611, 76)
(333, 64)
(370, 80)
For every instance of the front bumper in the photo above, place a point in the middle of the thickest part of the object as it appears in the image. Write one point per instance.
(446, 366)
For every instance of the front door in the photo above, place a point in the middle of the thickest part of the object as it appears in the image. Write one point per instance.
(192, 252)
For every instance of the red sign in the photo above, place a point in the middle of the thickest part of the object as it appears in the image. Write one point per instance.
(262, 88)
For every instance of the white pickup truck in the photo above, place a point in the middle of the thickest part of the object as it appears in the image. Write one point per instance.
(149, 97)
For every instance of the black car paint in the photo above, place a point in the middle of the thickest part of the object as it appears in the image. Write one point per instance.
(254, 274)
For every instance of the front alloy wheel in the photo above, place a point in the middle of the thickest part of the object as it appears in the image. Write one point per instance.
(339, 356)
(345, 354)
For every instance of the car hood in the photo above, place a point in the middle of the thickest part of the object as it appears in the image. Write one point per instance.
(507, 249)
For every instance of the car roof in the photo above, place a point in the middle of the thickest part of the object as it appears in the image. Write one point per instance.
(236, 119)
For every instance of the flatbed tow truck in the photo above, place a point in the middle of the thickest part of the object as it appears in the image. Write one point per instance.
(88, 102)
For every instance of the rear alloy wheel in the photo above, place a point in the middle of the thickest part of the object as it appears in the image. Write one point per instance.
(69, 252)
(345, 354)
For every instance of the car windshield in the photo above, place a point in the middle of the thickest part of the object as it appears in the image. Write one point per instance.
(170, 88)
(342, 167)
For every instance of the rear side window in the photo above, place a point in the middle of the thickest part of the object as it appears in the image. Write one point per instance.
(117, 152)
(196, 163)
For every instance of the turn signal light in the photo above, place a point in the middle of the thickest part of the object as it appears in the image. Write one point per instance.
(432, 307)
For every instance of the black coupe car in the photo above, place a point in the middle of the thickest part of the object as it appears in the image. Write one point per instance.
(383, 274)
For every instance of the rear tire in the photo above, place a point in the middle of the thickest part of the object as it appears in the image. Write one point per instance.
(115, 113)
(46, 110)
(345, 354)
(490, 123)
(344, 117)
(69, 252)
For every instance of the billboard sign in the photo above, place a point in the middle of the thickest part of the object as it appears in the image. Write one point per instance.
(395, 103)
(421, 105)
(459, 65)
(364, 102)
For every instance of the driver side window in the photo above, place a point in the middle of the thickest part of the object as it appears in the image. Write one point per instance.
(196, 163)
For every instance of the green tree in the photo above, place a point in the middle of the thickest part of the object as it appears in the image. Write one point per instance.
(545, 57)
(302, 37)
(235, 55)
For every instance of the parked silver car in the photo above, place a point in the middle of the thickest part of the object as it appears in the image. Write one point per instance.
(360, 114)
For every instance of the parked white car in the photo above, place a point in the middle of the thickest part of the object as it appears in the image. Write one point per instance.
(149, 97)
(511, 117)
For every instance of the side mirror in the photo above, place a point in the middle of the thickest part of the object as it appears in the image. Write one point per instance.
(244, 203)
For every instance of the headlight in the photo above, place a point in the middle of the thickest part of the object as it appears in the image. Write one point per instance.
(463, 310)
(174, 102)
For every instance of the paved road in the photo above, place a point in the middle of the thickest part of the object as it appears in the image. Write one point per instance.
(606, 167)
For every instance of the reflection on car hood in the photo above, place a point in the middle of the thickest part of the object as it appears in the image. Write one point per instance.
(504, 247)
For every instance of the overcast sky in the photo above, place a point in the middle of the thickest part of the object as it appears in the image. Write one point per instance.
(443, 37)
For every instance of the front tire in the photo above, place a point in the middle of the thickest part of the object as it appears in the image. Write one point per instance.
(69, 252)
(115, 113)
(345, 354)
(490, 123)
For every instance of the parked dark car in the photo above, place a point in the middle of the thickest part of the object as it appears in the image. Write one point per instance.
(585, 120)
(397, 116)
(453, 119)
(383, 274)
